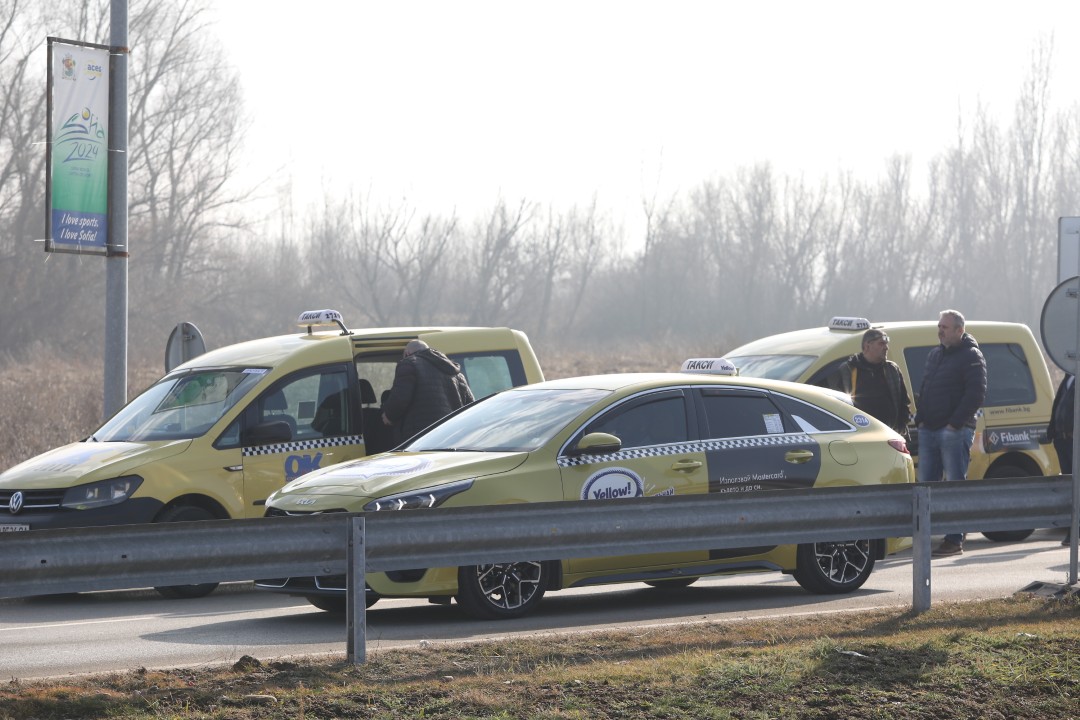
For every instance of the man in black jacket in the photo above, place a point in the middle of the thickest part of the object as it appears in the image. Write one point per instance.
(427, 387)
(1060, 429)
(953, 389)
(875, 382)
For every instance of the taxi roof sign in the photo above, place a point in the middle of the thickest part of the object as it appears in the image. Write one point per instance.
(709, 366)
(311, 318)
(849, 323)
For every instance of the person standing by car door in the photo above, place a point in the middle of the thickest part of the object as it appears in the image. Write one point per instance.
(427, 387)
(875, 383)
(1060, 428)
(953, 389)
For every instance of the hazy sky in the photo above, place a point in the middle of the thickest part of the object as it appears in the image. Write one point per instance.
(453, 104)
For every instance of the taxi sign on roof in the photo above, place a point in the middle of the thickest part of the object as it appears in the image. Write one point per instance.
(849, 323)
(319, 317)
(311, 318)
(709, 366)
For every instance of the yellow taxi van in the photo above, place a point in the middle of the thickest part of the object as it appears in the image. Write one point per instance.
(1010, 439)
(217, 434)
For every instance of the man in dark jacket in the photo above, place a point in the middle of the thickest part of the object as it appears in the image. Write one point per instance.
(875, 383)
(427, 387)
(953, 389)
(1060, 429)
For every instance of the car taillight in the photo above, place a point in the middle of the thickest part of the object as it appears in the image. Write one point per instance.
(899, 446)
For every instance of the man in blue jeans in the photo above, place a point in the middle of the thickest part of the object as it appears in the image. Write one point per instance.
(953, 389)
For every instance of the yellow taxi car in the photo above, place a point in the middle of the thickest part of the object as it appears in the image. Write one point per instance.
(703, 430)
(1010, 438)
(217, 434)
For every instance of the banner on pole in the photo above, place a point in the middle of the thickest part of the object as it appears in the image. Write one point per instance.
(77, 155)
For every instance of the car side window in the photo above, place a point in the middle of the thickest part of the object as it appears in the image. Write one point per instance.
(489, 373)
(651, 421)
(740, 413)
(915, 357)
(822, 376)
(810, 418)
(1008, 375)
(312, 405)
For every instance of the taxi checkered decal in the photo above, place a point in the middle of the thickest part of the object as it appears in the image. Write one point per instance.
(303, 445)
(698, 446)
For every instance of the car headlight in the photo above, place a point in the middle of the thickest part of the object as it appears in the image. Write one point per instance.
(426, 498)
(100, 494)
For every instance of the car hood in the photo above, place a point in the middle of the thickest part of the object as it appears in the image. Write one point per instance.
(393, 472)
(82, 462)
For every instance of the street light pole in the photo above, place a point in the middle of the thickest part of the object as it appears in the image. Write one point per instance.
(116, 260)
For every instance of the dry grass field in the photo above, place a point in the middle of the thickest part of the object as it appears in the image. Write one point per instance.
(998, 659)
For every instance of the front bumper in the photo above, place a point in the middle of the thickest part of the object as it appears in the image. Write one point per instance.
(129, 512)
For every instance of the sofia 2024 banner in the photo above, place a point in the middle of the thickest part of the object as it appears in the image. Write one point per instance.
(77, 205)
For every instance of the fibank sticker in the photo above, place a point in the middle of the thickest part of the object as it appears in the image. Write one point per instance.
(861, 420)
(611, 483)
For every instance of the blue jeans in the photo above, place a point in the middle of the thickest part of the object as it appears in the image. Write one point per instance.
(945, 451)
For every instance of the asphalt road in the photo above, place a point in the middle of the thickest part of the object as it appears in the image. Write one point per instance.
(60, 635)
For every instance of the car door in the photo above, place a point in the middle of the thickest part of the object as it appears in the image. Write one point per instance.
(656, 459)
(305, 421)
(751, 444)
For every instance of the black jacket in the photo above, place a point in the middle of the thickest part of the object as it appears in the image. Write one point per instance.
(846, 380)
(1061, 412)
(953, 386)
(427, 387)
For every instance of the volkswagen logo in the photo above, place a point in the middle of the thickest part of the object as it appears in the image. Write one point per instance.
(16, 502)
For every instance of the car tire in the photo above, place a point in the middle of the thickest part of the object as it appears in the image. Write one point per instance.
(501, 591)
(832, 568)
(186, 513)
(1005, 471)
(673, 584)
(337, 604)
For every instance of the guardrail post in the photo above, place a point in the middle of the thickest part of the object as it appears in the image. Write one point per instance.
(920, 549)
(356, 594)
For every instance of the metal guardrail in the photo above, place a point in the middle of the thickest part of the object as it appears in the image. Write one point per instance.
(41, 562)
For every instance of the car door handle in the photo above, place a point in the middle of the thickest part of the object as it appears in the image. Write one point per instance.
(686, 465)
(798, 456)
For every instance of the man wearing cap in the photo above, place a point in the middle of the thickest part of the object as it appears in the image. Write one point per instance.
(427, 387)
(953, 390)
(875, 383)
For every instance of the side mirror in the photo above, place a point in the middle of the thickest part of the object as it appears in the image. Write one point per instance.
(277, 431)
(597, 443)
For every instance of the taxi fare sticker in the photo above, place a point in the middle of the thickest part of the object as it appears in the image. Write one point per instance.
(611, 483)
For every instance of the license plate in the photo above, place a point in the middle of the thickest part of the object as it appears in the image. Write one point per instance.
(13, 528)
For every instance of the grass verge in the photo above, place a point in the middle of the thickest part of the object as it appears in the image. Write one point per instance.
(1012, 658)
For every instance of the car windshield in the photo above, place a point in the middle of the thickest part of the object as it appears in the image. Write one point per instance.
(520, 420)
(773, 367)
(180, 406)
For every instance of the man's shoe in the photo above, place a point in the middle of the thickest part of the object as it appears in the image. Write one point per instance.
(947, 548)
(1066, 541)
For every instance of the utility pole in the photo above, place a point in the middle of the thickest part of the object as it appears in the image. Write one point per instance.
(116, 260)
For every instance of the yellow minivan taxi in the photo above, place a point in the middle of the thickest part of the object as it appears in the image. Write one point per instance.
(1010, 439)
(219, 433)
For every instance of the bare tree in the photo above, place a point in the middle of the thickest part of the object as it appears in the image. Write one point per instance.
(495, 268)
(184, 134)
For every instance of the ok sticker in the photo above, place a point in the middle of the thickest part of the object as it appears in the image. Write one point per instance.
(861, 420)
